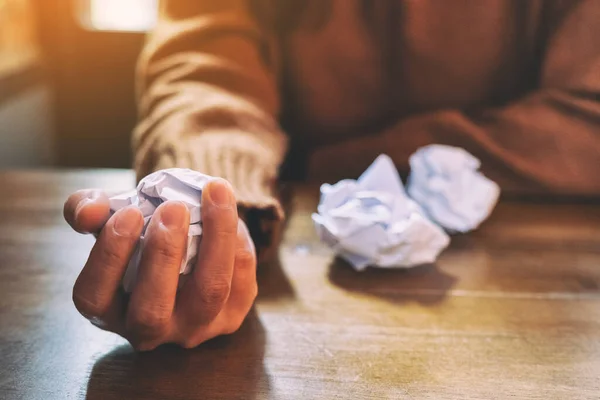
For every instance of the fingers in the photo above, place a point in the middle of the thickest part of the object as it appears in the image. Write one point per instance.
(242, 295)
(96, 288)
(87, 210)
(206, 291)
(244, 287)
(153, 297)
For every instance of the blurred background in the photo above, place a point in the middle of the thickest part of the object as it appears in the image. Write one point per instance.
(67, 80)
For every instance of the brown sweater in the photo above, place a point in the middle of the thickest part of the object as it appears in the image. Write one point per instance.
(516, 83)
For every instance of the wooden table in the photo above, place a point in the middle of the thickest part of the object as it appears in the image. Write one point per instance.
(510, 311)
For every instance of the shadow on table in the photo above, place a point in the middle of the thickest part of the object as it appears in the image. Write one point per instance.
(425, 284)
(272, 282)
(228, 367)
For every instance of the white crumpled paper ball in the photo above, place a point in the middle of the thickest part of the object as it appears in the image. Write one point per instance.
(446, 183)
(371, 221)
(178, 184)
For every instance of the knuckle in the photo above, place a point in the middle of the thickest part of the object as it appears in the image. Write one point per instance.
(168, 255)
(233, 326)
(143, 345)
(189, 343)
(168, 250)
(245, 259)
(111, 254)
(89, 307)
(149, 320)
(215, 292)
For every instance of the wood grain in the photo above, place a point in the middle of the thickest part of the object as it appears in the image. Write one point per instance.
(509, 311)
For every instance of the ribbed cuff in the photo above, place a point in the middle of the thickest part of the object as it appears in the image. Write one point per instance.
(251, 168)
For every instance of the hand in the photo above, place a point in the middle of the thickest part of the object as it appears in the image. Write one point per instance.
(213, 299)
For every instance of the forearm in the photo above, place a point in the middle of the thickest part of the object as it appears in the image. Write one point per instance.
(532, 145)
(200, 74)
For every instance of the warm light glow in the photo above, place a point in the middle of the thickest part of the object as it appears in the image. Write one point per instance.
(123, 15)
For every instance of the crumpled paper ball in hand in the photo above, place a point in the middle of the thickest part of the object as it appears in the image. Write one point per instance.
(371, 221)
(178, 184)
(446, 183)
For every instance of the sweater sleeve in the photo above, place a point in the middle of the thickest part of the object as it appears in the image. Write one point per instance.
(208, 100)
(546, 141)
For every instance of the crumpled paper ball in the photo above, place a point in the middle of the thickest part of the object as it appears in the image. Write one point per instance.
(178, 184)
(371, 221)
(446, 183)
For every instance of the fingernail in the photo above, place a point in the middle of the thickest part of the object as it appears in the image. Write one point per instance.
(174, 215)
(219, 192)
(90, 197)
(127, 222)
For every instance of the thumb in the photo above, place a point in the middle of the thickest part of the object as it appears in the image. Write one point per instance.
(87, 210)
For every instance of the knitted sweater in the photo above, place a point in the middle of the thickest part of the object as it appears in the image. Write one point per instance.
(516, 83)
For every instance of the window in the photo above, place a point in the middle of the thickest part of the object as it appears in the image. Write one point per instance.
(18, 44)
(119, 15)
